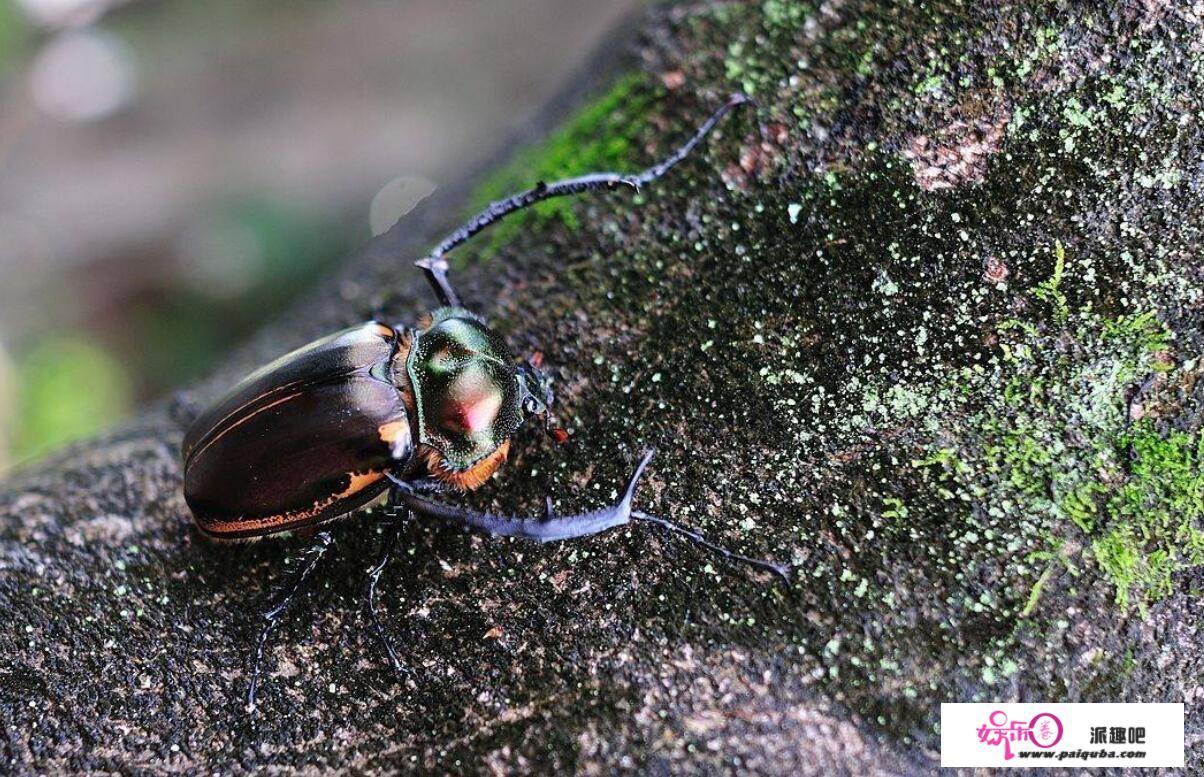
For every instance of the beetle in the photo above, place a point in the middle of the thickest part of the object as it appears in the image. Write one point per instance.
(405, 411)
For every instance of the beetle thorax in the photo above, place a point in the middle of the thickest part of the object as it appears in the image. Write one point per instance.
(466, 397)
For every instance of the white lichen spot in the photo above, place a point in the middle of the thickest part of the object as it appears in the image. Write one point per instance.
(884, 285)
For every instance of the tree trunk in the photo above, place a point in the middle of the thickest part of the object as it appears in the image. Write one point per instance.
(928, 328)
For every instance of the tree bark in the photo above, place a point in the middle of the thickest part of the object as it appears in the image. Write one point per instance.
(928, 328)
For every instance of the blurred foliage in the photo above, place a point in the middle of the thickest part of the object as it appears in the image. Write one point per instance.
(67, 388)
(238, 262)
(180, 333)
(14, 36)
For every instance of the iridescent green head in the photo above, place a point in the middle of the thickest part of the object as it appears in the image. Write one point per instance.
(470, 395)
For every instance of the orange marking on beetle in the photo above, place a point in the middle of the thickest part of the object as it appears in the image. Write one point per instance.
(469, 479)
(357, 482)
(401, 376)
(397, 435)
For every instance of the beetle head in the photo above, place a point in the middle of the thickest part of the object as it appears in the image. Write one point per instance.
(534, 391)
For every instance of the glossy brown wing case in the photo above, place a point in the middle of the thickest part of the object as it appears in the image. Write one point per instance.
(303, 440)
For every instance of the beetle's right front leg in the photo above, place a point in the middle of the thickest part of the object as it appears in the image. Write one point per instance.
(286, 593)
(563, 527)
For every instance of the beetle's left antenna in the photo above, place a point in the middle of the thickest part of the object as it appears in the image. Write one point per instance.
(435, 266)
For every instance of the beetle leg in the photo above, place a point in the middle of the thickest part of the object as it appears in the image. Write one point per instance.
(287, 592)
(392, 532)
(435, 266)
(421, 487)
(429, 486)
(781, 570)
(562, 527)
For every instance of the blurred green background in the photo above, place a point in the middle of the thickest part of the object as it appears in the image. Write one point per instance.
(174, 172)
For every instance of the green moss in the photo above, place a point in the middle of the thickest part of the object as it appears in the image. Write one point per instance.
(602, 136)
(1155, 515)
(1144, 332)
(1038, 449)
(784, 13)
(745, 63)
(1055, 442)
(1051, 290)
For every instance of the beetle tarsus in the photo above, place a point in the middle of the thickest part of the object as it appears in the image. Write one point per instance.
(781, 570)
(435, 267)
(290, 589)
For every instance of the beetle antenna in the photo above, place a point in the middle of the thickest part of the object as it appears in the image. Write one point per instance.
(435, 266)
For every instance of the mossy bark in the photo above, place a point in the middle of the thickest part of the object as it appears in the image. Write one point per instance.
(931, 332)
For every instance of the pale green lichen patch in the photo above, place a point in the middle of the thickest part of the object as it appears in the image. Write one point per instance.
(1058, 441)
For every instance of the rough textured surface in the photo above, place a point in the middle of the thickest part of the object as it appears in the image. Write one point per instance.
(933, 335)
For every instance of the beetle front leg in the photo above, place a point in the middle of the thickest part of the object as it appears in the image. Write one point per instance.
(781, 570)
(435, 266)
(562, 527)
(287, 592)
